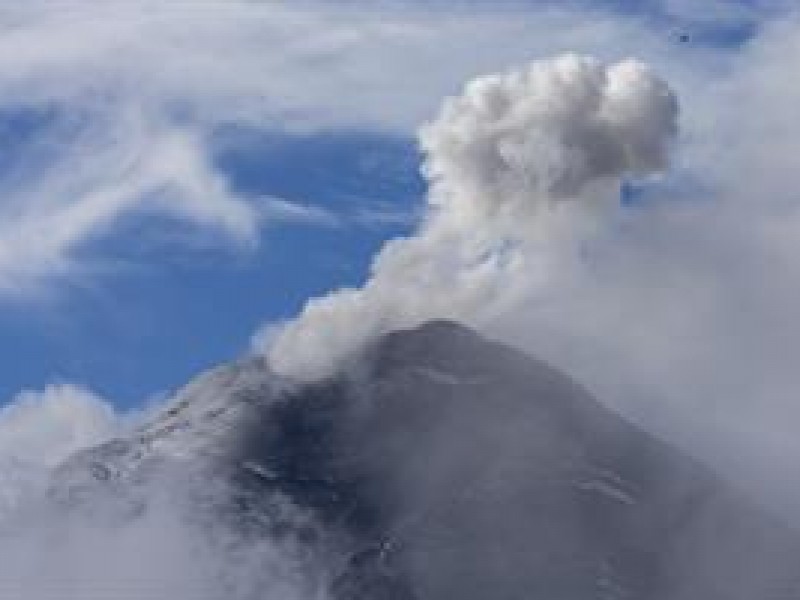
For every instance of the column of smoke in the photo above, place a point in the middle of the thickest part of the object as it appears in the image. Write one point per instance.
(520, 165)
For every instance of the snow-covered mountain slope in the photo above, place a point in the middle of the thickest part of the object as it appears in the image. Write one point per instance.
(442, 466)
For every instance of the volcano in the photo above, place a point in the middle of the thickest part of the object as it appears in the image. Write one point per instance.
(439, 465)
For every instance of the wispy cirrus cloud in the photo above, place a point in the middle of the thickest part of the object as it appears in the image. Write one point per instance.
(135, 91)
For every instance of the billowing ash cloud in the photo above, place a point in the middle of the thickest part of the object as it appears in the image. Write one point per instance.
(511, 161)
(516, 140)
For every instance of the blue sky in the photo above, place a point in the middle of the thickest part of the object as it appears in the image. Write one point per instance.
(152, 300)
(164, 314)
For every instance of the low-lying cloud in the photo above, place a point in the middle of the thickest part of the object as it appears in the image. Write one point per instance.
(38, 430)
(153, 542)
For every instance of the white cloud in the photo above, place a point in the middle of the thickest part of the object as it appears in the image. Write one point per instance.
(38, 430)
(97, 178)
(138, 87)
(53, 553)
(519, 140)
(45, 427)
(282, 210)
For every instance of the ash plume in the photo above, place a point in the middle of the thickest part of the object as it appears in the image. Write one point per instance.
(515, 162)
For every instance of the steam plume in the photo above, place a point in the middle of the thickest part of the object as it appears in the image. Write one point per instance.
(510, 161)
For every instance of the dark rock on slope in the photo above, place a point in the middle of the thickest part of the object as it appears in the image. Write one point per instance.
(442, 466)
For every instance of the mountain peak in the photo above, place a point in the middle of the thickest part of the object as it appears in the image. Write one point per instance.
(449, 466)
